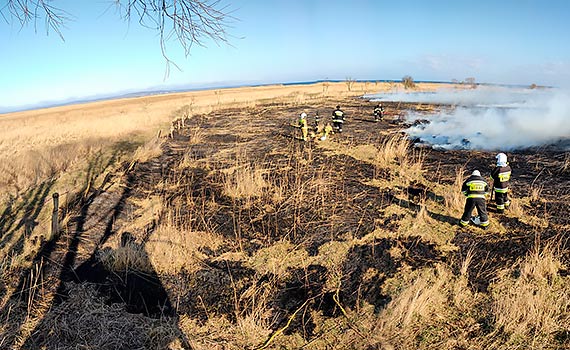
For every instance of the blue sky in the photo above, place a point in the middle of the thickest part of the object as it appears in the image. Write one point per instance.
(507, 41)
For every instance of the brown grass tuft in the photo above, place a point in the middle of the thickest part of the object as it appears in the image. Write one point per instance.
(536, 193)
(393, 150)
(516, 208)
(129, 257)
(197, 136)
(245, 182)
(565, 166)
(102, 326)
(453, 198)
(531, 299)
(172, 249)
(149, 150)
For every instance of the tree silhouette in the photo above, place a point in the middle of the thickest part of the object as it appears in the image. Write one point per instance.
(408, 82)
(349, 83)
(471, 81)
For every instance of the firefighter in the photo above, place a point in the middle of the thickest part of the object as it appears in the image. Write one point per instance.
(326, 131)
(303, 125)
(501, 176)
(475, 188)
(338, 119)
(378, 112)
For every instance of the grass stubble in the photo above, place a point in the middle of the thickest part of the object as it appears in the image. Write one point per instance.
(432, 306)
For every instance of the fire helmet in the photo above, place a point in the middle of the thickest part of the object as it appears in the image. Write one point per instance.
(476, 173)
(501, 159)
(303, 115)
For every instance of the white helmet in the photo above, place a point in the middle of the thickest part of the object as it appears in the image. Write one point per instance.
(501, 159)
(303, 115)
(476, 173)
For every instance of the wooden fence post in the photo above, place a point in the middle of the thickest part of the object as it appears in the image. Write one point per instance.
(55, 215)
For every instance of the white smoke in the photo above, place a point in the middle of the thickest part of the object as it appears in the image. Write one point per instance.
(491, 118)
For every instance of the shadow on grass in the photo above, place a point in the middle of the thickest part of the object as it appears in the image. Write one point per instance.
(22, 216)
(56, 255)
(407, 204)
(367, 267)
(140, 292)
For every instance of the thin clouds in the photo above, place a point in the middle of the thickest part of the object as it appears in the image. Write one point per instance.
(444, 63)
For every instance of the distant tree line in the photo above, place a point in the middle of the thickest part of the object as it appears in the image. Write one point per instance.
(468, 81)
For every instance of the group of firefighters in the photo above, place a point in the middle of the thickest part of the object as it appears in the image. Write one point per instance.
(338, 119)
(475, 188)
(318, 130)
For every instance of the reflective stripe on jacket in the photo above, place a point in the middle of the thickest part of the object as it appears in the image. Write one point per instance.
(501, 176)
(338, 116)
(475, 187)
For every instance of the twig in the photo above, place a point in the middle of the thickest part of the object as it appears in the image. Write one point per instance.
(350, 323)
(281, 330)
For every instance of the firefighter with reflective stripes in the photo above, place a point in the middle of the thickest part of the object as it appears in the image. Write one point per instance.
(303, 125)
(475, 188)
(501, 176)
(338, 119)
(378, 112)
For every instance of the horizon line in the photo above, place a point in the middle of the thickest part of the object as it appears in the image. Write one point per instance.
(204, 87)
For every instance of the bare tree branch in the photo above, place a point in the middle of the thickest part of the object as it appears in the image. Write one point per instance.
(25, 12)
(187, 21)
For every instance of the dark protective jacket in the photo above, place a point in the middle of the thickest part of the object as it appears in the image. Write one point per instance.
(475, 187)
(501, 176)
(338, 116)
(378, 111)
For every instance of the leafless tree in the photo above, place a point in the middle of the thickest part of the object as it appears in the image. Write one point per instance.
(187, 21)
(408, 82)
(349, 83)
(471, 81)
(326, 85)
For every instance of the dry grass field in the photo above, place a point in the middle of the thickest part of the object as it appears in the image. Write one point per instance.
(234, 234)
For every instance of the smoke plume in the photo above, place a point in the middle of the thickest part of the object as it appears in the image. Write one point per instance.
(491, 118)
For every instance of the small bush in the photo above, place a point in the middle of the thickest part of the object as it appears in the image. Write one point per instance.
(408, 82)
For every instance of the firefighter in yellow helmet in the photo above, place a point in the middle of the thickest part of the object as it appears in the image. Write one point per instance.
(303, 125)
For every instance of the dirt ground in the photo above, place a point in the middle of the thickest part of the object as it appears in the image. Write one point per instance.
(327, 199)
